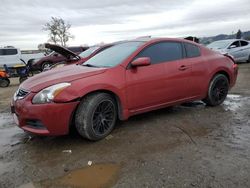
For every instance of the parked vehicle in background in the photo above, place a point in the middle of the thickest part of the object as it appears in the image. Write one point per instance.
(4, 80)
(11, 56)
(81, 58)
(129, 78)
(238, 48)
(55, 57)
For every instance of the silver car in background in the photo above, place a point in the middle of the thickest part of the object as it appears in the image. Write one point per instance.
(238, 48)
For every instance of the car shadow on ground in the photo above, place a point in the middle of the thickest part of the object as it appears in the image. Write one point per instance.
(136, 123)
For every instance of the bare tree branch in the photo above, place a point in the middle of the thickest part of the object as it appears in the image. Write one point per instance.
(58, 31)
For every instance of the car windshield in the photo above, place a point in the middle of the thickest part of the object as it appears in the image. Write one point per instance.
(219, 44)
(89, 51)
(113, 55)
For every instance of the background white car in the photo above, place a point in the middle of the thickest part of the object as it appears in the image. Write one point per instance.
(11, 56)
(238, 48)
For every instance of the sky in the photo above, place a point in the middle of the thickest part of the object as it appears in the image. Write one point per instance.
(21, 21)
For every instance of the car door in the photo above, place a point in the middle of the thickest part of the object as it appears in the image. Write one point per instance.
(234, 50)
(198, 76)
(161, 82)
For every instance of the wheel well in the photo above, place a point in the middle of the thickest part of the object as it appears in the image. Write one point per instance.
(224, 73)
(115, 97)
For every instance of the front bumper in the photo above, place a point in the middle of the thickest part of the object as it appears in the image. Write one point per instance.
(43, 119)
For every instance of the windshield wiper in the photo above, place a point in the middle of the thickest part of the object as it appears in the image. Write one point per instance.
(89, 65)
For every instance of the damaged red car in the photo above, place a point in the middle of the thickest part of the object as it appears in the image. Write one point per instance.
(129, 78)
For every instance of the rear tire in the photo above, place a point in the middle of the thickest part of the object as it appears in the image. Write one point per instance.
(217, 91)
(96, 116)
(4, 82)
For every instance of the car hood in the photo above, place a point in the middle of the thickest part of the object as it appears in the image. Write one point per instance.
(219, 49)
(59, 75)
(61, 50)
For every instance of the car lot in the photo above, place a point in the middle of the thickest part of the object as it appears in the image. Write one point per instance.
(190, 145)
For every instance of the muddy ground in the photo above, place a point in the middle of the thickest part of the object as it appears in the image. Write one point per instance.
(189, 145)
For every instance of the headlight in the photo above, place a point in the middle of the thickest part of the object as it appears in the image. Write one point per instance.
(48, 94)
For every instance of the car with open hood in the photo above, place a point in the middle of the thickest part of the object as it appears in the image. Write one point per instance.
(84, 56)
(126, 79)
(58, 54)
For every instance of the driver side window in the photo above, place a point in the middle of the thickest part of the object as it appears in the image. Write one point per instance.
(162, 52)
(235, 44)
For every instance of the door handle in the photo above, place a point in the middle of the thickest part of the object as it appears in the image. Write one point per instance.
(183, 67)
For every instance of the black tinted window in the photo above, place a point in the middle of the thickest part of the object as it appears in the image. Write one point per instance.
(162, 52)
(8, 51)
(243, 43)
(75, 49)
(236, 44)
(11, 52)
(192, 50)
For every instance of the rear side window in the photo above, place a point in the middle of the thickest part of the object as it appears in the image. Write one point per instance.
(8, 51)
(162, 52)
(243, 43)
(192, 50)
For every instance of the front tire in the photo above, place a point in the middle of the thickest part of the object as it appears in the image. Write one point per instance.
(96, 116)
(217, 91)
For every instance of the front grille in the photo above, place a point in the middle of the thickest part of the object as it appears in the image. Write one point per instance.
(21, 93)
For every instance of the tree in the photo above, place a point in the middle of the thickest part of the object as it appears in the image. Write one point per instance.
(58, 31)
(238, 34)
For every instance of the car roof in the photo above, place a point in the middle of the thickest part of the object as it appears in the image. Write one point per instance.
(150, 39)
(229, 40)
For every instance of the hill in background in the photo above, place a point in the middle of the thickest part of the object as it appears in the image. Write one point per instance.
(207, 40)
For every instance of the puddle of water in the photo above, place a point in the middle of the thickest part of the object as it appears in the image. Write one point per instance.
(234, 102)
(9, 132)
(95, 176)
(6, 120)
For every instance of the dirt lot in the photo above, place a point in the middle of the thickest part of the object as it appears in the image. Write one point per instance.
(189, 145)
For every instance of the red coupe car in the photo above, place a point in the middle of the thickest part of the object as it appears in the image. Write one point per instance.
(126, 79)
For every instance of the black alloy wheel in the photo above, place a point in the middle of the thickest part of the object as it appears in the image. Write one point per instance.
(103, 117)
(217, 91)
(96, 116)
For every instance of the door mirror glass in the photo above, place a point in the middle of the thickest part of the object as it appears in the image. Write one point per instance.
(141, 61)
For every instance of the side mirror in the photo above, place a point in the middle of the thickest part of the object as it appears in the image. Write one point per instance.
(141, 61)
(232, 46)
